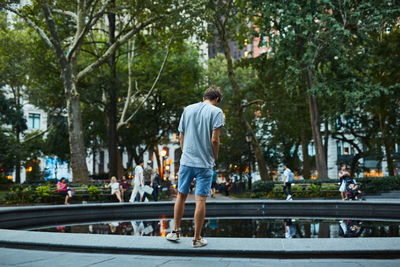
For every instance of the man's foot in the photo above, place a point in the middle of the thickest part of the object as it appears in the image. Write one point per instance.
(289, 197)
(173, 236)
(199, 243)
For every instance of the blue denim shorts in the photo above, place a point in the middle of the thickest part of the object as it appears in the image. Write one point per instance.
(203, 180)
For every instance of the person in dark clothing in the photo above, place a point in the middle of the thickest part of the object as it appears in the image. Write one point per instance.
(156, 184)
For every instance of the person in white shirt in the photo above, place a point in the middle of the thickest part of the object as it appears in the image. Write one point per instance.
(287, 183)
(114, 188)
(137, 182)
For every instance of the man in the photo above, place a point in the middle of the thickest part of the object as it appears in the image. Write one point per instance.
(138, 182)
(124, 187)
(199, 130)
(156, 183)
(148, 177)
(287, 181)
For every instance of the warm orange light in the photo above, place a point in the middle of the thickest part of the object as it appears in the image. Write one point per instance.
(163, 153)
(169, 161)
(29, 169)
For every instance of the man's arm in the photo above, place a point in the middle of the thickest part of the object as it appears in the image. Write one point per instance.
(181, 140)
(215, 142)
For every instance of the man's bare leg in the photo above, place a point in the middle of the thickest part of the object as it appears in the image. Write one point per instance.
(179, 208)
(199, 215)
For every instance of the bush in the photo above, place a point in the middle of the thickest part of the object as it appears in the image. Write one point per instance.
(263, 186)
(42, 193)
(379, 184)
(93, 192)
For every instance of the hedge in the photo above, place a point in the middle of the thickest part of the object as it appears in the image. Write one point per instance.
(327, 188)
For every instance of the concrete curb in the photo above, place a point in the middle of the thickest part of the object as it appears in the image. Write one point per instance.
(366, 248)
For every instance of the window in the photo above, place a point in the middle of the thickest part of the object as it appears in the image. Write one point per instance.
(34, 121)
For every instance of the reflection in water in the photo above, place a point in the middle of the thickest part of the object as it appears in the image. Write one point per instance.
(290, 228)
(256, 228)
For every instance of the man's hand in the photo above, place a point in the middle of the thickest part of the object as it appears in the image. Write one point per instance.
(215, 142)
(181, 137)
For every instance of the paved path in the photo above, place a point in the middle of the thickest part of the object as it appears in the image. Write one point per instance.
(19, 257)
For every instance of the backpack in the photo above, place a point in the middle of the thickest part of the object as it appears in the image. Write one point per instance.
(291, 177)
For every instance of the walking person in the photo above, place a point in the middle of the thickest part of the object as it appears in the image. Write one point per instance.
(114, 188)
(343, 173)
(138, 182)
(156, 183)
(148, 175)
(288, 179)
(199, 130)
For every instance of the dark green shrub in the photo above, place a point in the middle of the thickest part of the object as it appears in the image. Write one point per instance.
(263, 186)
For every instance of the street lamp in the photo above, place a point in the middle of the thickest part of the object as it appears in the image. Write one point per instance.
(163, 154)
(249, 138)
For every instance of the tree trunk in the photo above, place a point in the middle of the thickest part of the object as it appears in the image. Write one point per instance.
(354, 163)
(389, 157)
(94, 160)
(75, 130)
(326, 139)
(120, 164)
(320, 158)
(236, 105)
(304, 149)
(113, 157)
(77, 145)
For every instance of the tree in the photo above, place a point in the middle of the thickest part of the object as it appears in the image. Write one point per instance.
(226, 20)
(12, 81)
(48, 19)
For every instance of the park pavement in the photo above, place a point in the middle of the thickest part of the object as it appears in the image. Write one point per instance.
(20, 257)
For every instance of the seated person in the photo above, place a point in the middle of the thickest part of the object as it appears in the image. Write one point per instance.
(114, 188)
(63, 190)
(125, 188)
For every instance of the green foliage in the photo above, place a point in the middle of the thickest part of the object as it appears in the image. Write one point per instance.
(379, 184)
(42, 193)
(263, 186)
(234, 151)
(93, 192)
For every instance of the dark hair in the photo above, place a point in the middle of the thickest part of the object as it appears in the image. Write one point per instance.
(286, 165)
(62, 179)
(343, 164)
(213, 93)
(140, 161)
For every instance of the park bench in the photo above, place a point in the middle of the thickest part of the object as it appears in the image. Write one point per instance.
(82, 194)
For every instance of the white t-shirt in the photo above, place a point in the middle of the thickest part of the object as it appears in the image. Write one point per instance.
(286, 174)
(138, 176)
(114, 187)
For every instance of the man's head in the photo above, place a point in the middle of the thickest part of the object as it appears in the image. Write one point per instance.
(285, 166)
(213, 94)
(140, 162)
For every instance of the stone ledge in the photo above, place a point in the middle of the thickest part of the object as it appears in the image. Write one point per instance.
(367, 248)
